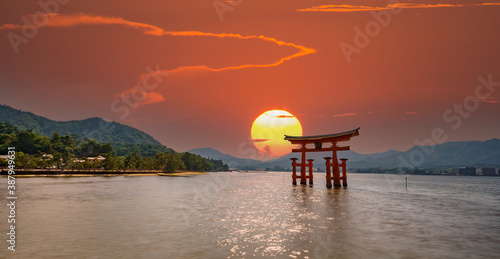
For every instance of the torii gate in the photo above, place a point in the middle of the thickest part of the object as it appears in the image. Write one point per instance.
(332, 163)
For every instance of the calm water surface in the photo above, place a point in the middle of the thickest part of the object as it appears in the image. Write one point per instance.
(243, 215)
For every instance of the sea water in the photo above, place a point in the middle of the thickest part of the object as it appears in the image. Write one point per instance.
(254, 215)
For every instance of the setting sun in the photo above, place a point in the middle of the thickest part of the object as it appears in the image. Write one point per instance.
(268, 131)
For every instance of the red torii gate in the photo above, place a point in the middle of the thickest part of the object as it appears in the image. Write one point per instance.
(332, 163)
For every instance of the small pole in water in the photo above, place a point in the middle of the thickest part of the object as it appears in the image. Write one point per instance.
(406, 179)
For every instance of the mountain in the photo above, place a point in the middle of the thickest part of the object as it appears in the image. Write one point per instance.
(92, 128)
(450, 154)
(231, 161)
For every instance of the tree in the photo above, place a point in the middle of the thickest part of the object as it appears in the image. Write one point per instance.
(21, 159)
(31, 143)
(148, 163)
(174, 163)
(160, 161)
(111, 163)
(194, 162)
(133, 161)
(89, 148)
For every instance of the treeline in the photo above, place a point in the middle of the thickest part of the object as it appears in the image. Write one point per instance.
(72, 152)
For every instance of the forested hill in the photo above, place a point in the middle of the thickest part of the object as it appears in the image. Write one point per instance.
(66, 152)
(92, 128)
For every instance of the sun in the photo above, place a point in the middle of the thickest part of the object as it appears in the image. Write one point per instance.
(268, 131)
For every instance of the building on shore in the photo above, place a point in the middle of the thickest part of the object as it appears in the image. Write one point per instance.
(488, 171)
(467, 171)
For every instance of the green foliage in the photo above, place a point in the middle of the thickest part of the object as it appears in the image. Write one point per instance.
(145, 149)
(174, 163)
(194, 162)
(70, 152)
(217, 165)
(133, 161)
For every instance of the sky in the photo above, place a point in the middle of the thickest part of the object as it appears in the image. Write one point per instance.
(197, 74)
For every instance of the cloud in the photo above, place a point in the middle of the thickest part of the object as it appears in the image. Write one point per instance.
(260, 140)
(64, 20)
(489, 100)
(487, 4)
(340, 8)
(346, 8)
(412, 113)
(345, 115)
(284, 116)
(84, 19)
(421, 6)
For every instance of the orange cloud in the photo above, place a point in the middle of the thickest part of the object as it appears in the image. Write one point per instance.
(84, 19)
(260, 140)
(487, 4)
(362, 8)
(284, 116)
(345, 114)
(340, 8)
(412, 5)
(412, 113)
(489, 100)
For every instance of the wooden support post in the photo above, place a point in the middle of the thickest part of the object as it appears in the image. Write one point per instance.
(294, 175)
(344, 172)
(336, 170)
(328, 175)
(303, 166)
(310, 171)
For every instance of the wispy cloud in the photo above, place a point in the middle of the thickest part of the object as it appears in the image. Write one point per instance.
(346, 8)
(344, 115)
(340, 8)
(260, 140)
(284, 116)
(63, 20)
(489, 100)
(487, 4)
(412, 113)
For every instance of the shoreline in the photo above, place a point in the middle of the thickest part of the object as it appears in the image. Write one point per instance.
(20, 173)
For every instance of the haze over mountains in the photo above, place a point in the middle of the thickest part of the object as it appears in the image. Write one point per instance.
(450, 154)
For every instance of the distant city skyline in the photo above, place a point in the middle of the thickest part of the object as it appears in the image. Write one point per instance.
(193, 75)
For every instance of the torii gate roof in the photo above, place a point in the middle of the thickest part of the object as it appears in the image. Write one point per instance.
(336, 137)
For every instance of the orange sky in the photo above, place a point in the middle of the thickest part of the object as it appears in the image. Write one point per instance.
(217, 76)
